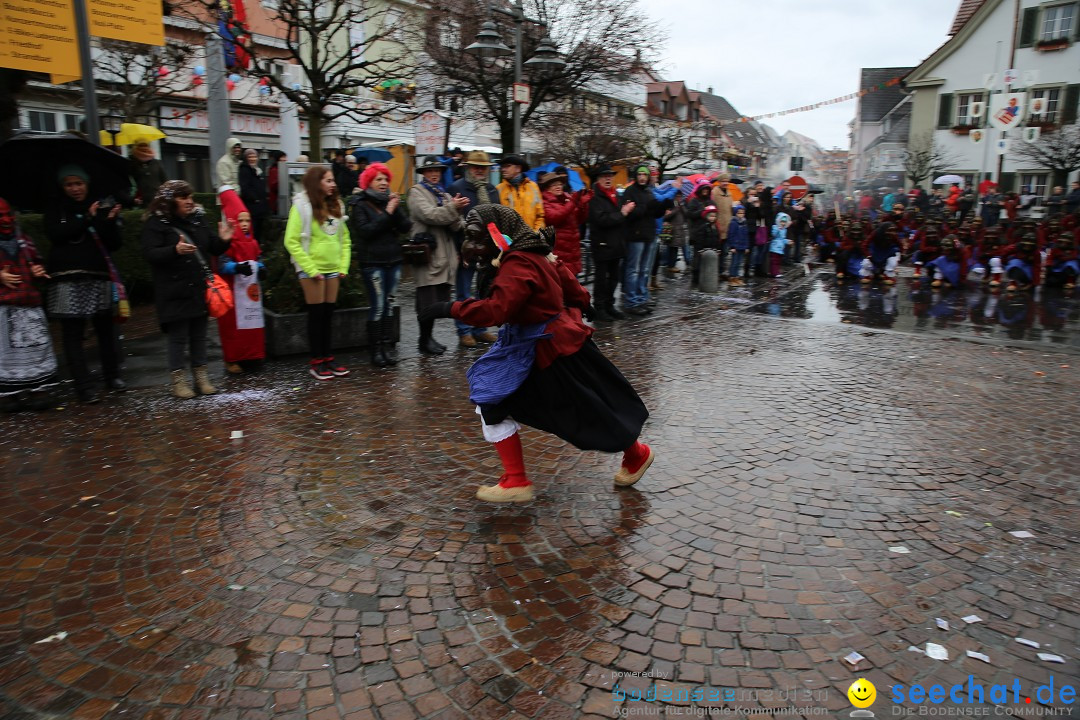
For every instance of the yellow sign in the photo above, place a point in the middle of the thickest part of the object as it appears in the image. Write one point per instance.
(63, 79)
(39, 36)
(137, 21)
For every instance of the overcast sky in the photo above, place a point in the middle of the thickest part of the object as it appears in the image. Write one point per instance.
(769, 55)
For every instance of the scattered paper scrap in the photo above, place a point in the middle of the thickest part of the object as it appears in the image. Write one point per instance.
(84, 498)
(954, 513)
(53, 638)
(1051, 658)
(938, 652)
(189, 570)
(1021, 534)
(236, 434)
(236, 587)
(942, 624)
(1065, 367)
(1039, 373)
(978, 656)
(971, 619)
(912, 648)
(900, 550)
(1029, 643)
(853, 658)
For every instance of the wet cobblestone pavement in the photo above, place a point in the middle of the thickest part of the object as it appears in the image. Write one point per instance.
(333, 562)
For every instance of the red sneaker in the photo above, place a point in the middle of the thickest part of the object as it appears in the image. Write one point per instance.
(335, 367)
(318, 369)
(636, 460)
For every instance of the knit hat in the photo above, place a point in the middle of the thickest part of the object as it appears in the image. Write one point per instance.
(709, 209)
(642, 169)
(72, 170)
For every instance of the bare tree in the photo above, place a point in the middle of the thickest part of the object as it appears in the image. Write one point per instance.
(343, 52)
(924, 157)
(1056, 151)
(672, 146)
(590, 139)
(602, 42)
(139, 75)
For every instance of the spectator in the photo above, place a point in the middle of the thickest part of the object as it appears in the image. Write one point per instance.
(243, 339)
(376, 223)
(83, 233)
(1056, 202)
(757, 229)
(146, 172)
(519, 193)
(436, 216)
(565, 212)
(738, 240)
(228, 166)
(317, 238)
(476, 187)
(349, 177)
(178, 242)
(706, 237)
(607, 236)
(640, 239)
(1072, 200)
(253, 192)
(273, 188)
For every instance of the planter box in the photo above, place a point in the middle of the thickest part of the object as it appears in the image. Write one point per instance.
(963, 129)
(1051, 45)
(287, 334)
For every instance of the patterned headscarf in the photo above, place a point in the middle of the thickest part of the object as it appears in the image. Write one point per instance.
(509, 223)
(162, 204)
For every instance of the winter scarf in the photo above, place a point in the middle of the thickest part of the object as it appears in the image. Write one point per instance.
(516, 181)
(481, 186)
(610, 194)
(435, 189)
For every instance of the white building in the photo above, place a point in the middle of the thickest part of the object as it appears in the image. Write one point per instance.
(961, 83)
(871, 120)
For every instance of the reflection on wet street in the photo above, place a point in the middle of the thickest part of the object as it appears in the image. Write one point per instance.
(1046, 317)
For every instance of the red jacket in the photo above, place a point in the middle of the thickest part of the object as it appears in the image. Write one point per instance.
(953, 201)
(566, 213)
(529, 289)
(25, 293)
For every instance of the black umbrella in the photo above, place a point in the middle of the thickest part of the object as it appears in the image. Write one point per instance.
(736, 181)
(815, 190)
(30, 164)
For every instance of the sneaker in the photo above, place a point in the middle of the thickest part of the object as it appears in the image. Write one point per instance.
(616, 314)
(318, 369)
(335, 367)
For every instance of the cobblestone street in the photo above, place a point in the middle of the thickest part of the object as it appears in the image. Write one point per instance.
(333, 562)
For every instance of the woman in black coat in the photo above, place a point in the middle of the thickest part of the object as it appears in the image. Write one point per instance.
(607, 237)
(175, 236)
(253, 192)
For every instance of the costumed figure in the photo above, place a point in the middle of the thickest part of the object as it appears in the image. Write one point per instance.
(929, 249)
(882, 255)
(243, 341)
(950, 268)
(27, 361)
(986, 259)
(1023, 264)
(849, 255)
(544, 371)
(1062, 266)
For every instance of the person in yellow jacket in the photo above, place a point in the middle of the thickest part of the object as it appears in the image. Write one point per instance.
(519, 193)
(317, 240)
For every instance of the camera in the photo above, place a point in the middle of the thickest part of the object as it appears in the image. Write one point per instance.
(106, 204)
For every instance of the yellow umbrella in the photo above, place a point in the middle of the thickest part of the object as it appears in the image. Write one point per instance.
(131, 133)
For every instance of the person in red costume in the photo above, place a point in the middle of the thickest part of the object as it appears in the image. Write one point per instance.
(544, 371)
(243, 342)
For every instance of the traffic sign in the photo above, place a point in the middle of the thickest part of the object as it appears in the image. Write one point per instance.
(522, 93)
(797, 186)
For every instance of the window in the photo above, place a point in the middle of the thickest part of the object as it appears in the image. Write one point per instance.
(964, 107)
(72, 122)
(1057, 22)
(1051, 98)
(42, 121)
(447, 101)
(1035, 181)
(450, 34)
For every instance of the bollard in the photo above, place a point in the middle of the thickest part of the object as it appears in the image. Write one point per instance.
(709, 272)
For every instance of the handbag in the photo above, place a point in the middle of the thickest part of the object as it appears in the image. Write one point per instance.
(219, 297)
(419, 248)
(121, 306)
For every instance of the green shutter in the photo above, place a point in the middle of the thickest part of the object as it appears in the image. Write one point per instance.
(1029, 27)
(1072, 99)
(945, 116)
(1007, 183)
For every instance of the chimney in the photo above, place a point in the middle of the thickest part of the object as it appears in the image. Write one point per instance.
(710, 89)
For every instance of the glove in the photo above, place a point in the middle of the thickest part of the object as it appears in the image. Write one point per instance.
(588, 312)
(435, 311)
(262, 271)
(228, 268)
(243, 268)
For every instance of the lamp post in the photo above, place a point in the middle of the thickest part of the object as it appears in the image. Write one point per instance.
(346, 140)
(111, 122)
(489, 44)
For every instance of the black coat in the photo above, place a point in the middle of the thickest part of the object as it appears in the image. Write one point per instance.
(148, 176)
(253, 191)
(376, 235)
(607, 228)
(73, 253)
(179, 283)
(641, 221)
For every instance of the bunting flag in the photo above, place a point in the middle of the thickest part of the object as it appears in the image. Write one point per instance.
(833, 101)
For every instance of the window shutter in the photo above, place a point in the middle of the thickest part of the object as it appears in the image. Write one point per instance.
(1007, 182)
(1029, 27)
(945, 111)
(1072, 99)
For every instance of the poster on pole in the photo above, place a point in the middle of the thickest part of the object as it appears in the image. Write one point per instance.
(977, 136)
(1002, 146)
(1007, 110)
(137, 21)
(39, 37)
(430, 130)
(1032, 134)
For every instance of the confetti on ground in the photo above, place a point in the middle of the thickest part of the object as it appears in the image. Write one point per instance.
(53, 638)
(1021, 534)
(1029, 643)
(978, 656)
(954, 513)
(853, 658)
(942, 624)
(938, 652)
(1039, 373)
(971, 619)
(1051, 658)
(236, 434)
(1064, 367)
(236, 587)
(900, 550)
(189, 570)
(912, 648)
(84, 498)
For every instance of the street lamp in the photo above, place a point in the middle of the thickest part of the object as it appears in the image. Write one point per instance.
(346, 140)
(111, 122)
(489, 44)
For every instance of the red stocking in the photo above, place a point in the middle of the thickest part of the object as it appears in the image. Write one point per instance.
(635, 455)
(513, 462)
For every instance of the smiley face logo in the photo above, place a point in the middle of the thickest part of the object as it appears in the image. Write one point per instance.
(862, 693)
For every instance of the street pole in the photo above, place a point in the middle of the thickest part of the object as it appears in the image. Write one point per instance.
(217, 101)
(82, 29)
(519, 20)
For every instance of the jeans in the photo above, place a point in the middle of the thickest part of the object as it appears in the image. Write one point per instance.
(381, 283)
(183, 335)
(462, 291)
(758, 256)
(636, 274)
(736, 263)
(650, 268)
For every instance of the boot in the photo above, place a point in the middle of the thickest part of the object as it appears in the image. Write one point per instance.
(513, 486)
(388, 343)
(202, 381)
(614, 313)
(636, 460)
(180, 386)
(375, 347)
(601, 315)
(427, 344)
